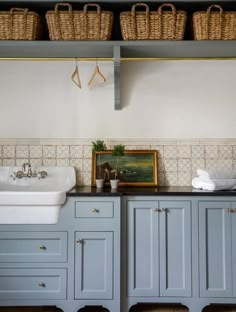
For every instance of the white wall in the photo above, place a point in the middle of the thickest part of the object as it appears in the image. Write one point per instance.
(163, 99)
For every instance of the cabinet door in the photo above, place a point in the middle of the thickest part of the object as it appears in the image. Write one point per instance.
(215, 249)
(175, 248)
(142, 248)
(233, 222)
(94, 265)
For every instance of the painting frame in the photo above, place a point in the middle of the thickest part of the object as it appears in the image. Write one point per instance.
(149, 170)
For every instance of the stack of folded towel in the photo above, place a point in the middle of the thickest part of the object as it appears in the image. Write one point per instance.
(215, 179)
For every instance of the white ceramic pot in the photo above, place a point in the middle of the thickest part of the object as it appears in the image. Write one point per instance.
(114, 184)
(99, 183)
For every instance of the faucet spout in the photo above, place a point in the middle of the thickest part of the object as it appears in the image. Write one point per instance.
(26, 168)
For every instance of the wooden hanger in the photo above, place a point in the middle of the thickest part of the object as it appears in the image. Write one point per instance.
(96, 72)
(75, 76)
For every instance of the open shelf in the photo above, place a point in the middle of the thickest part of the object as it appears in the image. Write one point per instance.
(56, 49)
(128, 49)
(117, 50)
(179, 49)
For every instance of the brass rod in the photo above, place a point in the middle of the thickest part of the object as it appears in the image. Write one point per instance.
(137, 59)
(122, 59)
(84, 59)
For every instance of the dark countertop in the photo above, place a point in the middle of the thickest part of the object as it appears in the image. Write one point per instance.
(147, 191)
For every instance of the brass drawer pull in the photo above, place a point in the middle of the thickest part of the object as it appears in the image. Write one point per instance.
(42, 247)
(79, 241)
(41, 284)
(95, 210)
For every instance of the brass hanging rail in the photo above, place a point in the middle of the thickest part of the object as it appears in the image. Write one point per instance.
(137, 59)
(122, 59)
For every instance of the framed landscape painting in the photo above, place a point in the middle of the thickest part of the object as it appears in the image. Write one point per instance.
(135, 168)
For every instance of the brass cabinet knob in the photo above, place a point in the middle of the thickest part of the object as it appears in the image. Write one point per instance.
(41, 284)
(79, 241)
(94, 210)
(42, 247)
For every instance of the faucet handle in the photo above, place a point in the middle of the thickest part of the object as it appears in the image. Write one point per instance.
(42, 174)
(19, 174)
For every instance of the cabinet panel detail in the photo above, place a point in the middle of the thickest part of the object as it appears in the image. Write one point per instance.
(175, 248)
(94, 265)
(33, 246)
(143, 260)
(233, 223)
(32, 284)
(215, 249)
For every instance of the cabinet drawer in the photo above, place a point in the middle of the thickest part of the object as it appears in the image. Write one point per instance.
(33, 246)
(91, 209)
(32, 284)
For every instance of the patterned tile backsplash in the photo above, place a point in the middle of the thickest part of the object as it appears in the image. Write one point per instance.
(178, 160)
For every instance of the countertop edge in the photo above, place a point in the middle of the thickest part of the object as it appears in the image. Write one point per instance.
(158, 191)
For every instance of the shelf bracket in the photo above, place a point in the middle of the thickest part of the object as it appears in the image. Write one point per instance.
(117, 78)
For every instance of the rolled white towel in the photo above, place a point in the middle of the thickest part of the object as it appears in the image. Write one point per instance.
(213, 184)
(219, 173)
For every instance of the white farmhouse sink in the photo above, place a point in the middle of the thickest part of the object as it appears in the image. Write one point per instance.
(31, 200)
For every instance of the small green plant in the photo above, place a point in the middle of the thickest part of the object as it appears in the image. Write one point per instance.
(118, 151)
(99, 146)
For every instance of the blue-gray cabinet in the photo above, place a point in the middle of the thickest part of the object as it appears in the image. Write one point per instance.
(33, 246)
(217, 230)
(72, 264)
(32, 284)
(158, 247)
(94, 265)
(142, 248)
(233, 224)
(96, 226)
(26, 259)
(174, 249)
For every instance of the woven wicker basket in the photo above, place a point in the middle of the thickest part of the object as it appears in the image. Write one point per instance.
(19, 24)
(79, 25)
(154, 25)
(214, 25)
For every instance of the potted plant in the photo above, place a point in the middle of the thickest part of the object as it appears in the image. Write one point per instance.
(117, 152)
(99, 146)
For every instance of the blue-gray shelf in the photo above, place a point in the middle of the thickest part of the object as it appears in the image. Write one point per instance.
(118, 51)
(128, 49)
